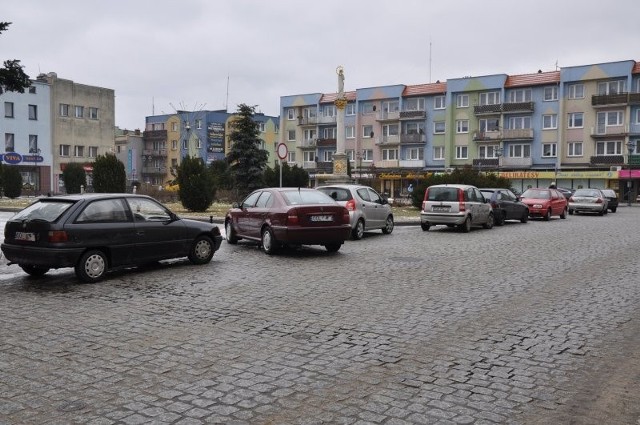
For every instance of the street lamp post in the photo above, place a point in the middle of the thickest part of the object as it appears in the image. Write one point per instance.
(630, 147)
(35, 152)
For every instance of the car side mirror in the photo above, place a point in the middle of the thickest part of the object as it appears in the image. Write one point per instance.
(235, 205)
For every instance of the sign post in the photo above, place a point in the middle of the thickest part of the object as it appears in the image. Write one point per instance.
(282, 154)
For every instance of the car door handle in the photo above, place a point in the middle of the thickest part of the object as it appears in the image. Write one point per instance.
(140, 233)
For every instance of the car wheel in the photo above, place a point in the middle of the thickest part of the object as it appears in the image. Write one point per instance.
(466, 226)
(231, 234)
(333, 247)
(525, 216)
(613, 209)
(358, 231)
(269, 243)
(490, 222)
(92, 266)
(388, 225)
(605, 211)
(547, 215)
(564, 214)
(201, 251)
(34, 270)
(570, 212)
(425, 226)
(500, 219)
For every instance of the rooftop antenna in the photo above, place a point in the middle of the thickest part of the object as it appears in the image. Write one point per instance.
(226, 101)
(429, 59)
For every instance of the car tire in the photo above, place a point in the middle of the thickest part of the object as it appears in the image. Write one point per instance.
(34, 271)
(564, 214)
(570, 212)
(490, 222)
(230, 233)
(500, 219)
(525, 216)
(269, 243)
(466, 226)
(547, 215)
(92, 266)
(425, 226)
(333, 247)
(388, 225)
(613, 209)
(358, 231)
(201, 250)
(606, 211)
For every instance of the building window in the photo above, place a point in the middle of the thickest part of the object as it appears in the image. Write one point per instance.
(575, 120)
(33, 143)
(350, 109)
(439, 102)
(520, 95)
(438, 127)
(291, 156)
(549, 150)
(605, 148)
(198, 124)
(414, 104)
(185, 144)
(93, 151)
(78, 151)
(32, 90)
(389, 154)
(550, 93)
(64, 150)
(492, 124)
(79, 112)
(519, 123)
(390, 106)
(520, 151)
(9, 142)
(174, 145)
(8, 110)
(329, 132)
(309, 134)
(574, 149)
(637, 117)
(488, 151)
(328, 155)
(550, 122)
(462, 126)
(368, 107)
(462, 101)
(261, 127)
(490, 98)
(415, 154)
(291, 114)
(308, 156)
(461, 152)
(390, 130)
(438, 152)
(93, 113)
(350, 132)
(174, 126)
(612, 87)
(64, 110)
(367, 131)
(33, 112)
(610, 119)
(329, 111)
(414, 128)
(367, 155)
(576, 91)
(291, 136)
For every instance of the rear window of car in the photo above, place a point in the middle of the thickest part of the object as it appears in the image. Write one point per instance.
(537, 194)
(586, 192)
(303, 197)
(442, 194)
(609, 193)
(45, 210)
(337, 193)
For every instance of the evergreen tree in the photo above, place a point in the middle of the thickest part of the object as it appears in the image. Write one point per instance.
(221, 174)
(109, 175)
(291, 176)
(1, 179)
(12, 77)
(12, 182)
(74, 177)
(246, 159)
(196, 184)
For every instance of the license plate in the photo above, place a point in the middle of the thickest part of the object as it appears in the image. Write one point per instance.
(321, 218)
(25, 236)
(440, 209)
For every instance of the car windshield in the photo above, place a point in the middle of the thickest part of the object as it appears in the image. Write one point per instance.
(303, 197)
(537, 194)
(442, 194)
(586, 192)
(45, 210)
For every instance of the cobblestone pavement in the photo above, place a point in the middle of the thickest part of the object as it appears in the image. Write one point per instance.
(533, 323)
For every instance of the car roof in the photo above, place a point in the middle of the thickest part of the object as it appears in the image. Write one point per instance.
(456, 186)
(91, 196)
(342, 186)
(493, 189)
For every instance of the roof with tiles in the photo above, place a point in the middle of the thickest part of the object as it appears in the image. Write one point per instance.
(430, 88)
(636, 68)
(536, 79)
(331, 97)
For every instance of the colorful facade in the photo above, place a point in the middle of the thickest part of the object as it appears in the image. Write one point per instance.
(578, 126)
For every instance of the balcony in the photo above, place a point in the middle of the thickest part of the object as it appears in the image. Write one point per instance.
(487, 109)
(486, 164)
(604, 131)
(412, 163)
(388, 116)
(615, 99)
(307, 120)
(326, 143)
(413, 115)
(392, 163)
(155, 152)
(517, 107)
(388, 140)
(487, 136)
(327, 119)
(154, 170)
(517, 134)
(414, 138)
(606, 160)
(308, 144)
(515, 162)
(154, 135)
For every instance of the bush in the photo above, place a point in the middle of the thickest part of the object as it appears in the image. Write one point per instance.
(74, 177)
(12, 182)
(109, 175)
(196, 185)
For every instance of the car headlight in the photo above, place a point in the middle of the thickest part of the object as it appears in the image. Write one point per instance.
(537, 205)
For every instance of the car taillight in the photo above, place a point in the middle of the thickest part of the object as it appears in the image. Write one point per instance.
(58, 236)
(424, 205)
(351, 205)
(461, 204)
(599, 201)
(292, 217)
(571, 199)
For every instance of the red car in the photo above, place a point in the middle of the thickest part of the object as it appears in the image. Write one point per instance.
(276, 217)
(545, 203)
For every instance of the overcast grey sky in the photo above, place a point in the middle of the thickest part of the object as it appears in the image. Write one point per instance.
(162, 55)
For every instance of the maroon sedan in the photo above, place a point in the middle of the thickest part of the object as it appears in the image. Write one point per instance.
(276, 217)
(545, 203)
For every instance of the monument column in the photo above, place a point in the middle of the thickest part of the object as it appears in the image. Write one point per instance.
(340, 158)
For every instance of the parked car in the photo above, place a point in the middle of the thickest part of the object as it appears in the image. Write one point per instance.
(545, 203)
(612, 198)
(565, 192)
(588, 200)
(276, 217)
(368, 210)
(99, 232)
(458, 205)
(506, 205)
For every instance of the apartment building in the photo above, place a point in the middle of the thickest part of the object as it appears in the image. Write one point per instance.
(578, 126)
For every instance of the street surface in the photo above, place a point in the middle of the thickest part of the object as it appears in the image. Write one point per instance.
(535, 323)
